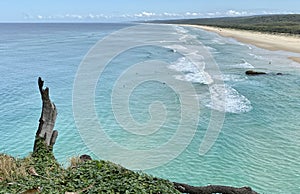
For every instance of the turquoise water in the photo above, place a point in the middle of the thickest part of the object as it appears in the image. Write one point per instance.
(258, 146)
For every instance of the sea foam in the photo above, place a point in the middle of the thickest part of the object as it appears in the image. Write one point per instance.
(227, 99)
(244, 64)
(191, 72)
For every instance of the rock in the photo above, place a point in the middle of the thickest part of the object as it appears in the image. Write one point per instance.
(85, 158)
(251, 72)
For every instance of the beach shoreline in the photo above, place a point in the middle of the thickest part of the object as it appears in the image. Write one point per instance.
(267, 41)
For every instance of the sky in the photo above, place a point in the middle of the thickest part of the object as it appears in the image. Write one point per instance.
(132, 10)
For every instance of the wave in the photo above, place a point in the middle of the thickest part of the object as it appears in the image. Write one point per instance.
(191, 72)
(184, 34)
(231, 77)
(218, 41)
(244, 65)
(180, 29)
(226, 99)
(211, 49)
(256, 56)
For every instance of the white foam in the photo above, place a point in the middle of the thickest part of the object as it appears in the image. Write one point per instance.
(195, 56)
(218, 41)
(201, 77)
(188, 38)
(244, 65)
(180, 29)
(191, 72)
(242, 44)
(182, 64)
(211, 49)
(256, 56)
(184, 35)
(226, 99)
(176, 47)
(231, 77)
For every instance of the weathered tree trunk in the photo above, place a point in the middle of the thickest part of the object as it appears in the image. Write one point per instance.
(184, 188)
(47, 119)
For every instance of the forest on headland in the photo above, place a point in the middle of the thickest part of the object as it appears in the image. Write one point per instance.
(287, 23)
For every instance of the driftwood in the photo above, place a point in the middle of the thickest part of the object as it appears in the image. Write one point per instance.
(47, 119)
(184, 188)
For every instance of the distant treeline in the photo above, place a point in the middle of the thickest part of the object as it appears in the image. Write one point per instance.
(289, 24)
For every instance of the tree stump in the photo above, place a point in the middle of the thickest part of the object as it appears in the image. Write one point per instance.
(47, 120)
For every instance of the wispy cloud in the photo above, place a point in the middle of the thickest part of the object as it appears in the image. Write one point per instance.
(236, 13)
(144, 15)
(67, 17)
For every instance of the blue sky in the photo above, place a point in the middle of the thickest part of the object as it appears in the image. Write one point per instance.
(128, 10)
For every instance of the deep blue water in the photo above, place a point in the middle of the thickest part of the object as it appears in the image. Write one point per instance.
(259, 142)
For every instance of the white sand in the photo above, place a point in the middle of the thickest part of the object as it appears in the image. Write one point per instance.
(262, 40)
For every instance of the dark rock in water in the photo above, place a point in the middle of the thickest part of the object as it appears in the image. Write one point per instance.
(85, 158)
(251, 72)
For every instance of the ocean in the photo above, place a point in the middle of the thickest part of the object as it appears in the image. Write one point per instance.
(171, 101)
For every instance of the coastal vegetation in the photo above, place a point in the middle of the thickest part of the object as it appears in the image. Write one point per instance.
(287, 23)
(40, 173)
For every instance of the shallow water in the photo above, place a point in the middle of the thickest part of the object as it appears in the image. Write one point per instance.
(259, 142)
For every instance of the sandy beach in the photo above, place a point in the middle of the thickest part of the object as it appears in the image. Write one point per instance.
(262, 40)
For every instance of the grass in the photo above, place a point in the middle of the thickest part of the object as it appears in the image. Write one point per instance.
(12, 169)
(40, 173)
